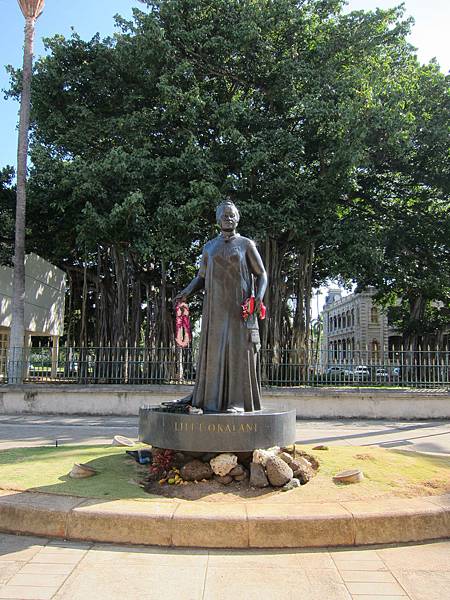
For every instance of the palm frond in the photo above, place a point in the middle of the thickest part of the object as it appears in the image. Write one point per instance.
(31, 8)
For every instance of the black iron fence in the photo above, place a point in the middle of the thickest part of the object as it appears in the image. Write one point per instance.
(109, 365)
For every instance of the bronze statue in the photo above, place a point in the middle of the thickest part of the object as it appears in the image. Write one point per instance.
(231, 271)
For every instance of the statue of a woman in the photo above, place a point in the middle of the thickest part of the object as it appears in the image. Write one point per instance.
(231, 270)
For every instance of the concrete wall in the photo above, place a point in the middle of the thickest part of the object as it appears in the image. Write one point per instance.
(309, 403)
(44, 296)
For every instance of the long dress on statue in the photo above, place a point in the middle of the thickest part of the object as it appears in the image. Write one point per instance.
(227, 373)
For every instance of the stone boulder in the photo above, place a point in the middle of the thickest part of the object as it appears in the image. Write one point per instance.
(293, 483)
(208, 456)
(223, 464)
(196, 470)
(225, 480)
(278, 472)
(180, 459)
(258, 477)
(237, 470)
(302, 469)
(286, 457)
(261, 456)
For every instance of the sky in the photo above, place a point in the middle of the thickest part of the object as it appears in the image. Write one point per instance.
(87, 17)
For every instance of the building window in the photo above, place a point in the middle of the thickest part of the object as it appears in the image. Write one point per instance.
(353, 316)
(374, 314)
(344, 321)
(334, 323)
(4, 338)
(375, 347)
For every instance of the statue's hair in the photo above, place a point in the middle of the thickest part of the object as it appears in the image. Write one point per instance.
(221, 207)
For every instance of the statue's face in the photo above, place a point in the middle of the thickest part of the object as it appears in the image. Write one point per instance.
(229, 219)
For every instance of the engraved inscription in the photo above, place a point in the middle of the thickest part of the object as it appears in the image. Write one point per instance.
(186, 426)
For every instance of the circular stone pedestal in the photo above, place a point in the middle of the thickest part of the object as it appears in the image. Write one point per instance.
(216, 432)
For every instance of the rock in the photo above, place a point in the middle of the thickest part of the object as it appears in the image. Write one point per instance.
(223, 464)
(180, 459)
(261, 456)
(320, 447)
(258, 477)
(299, 462)
(121, 440)
(196, 470)
(350, 476)
(207, 457)
(237, 470)
(286, 457)
(225, 480)
(310, 458)
(241, 477)
(80, 471)
(278, 472)
(302, 469)
(293, 483)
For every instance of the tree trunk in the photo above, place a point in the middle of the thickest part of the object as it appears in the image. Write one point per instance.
(302, 315)
(69, 313)
(121, 312)
(417, 311)
(163, 307)
(83, 334)
(16, 343)
(272, 327)
(135, 315)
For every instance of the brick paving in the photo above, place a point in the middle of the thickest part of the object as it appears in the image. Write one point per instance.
(39, 569)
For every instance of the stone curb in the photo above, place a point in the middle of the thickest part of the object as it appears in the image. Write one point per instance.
(221, 525)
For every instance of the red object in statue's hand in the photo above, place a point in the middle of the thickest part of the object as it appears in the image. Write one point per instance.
(248, 308)
(262, 311)
(183, 334)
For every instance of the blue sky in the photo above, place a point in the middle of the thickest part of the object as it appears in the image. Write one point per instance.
(430, 36)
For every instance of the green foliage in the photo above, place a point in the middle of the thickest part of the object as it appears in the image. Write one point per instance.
(406, 221)
(7, 215)
(321, 125)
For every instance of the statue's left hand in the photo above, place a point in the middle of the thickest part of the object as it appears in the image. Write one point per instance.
(180, 297)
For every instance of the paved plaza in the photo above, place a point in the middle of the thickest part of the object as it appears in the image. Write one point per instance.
(40, 569)
(38, 430)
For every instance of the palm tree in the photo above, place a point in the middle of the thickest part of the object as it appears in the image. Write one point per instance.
(31, 9)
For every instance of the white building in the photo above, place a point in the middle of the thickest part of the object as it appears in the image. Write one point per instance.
(45, 287)
(353, 325)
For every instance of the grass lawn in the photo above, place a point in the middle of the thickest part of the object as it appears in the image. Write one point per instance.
(46, 469)
(387, 473)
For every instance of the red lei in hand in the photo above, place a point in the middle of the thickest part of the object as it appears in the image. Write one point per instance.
(248, 308)
(183, 334)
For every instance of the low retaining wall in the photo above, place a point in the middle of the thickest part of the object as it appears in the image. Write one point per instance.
(309, 403)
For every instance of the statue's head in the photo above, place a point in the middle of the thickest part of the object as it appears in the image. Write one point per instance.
(227, 215)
